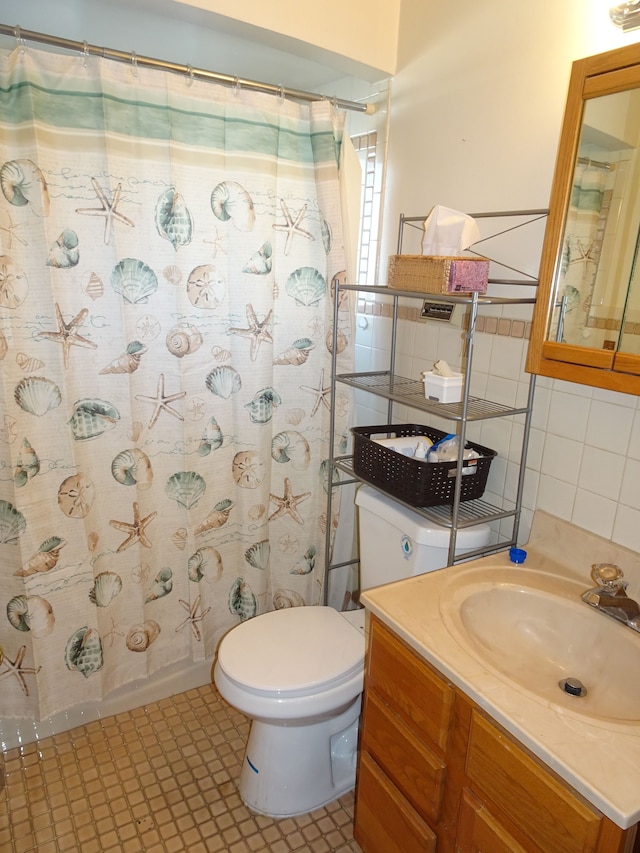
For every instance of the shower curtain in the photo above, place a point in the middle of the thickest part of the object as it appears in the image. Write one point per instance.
(583, 236)
(168, 248)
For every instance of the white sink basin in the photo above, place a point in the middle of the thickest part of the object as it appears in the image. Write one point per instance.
(532, 628)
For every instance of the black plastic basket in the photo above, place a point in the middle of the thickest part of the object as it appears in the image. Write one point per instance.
(414, 481)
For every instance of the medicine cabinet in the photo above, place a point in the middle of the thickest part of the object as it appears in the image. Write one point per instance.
(586, 324)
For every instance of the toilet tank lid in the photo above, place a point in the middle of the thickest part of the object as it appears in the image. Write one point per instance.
(420, 529)
(295, 649)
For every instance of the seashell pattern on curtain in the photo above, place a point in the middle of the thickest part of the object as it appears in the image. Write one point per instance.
(167, 250)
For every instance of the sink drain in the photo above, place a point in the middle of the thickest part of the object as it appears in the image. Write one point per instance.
(573, 686)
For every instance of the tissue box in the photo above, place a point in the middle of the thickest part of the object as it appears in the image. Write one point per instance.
(442, 389)
(438, 274)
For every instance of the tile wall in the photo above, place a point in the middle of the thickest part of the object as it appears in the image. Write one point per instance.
(583, 461)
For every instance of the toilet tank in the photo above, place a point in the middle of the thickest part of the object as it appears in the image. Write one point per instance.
(396, 542)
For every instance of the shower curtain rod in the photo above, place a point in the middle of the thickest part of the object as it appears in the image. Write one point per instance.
(226, 79)
(597, 164)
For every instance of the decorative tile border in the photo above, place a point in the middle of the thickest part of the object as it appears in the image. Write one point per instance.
(502, 326)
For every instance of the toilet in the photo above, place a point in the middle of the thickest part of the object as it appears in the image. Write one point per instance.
(298, 673)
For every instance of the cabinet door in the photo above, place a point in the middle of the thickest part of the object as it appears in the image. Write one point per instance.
(480, 832)
(542, 808)
(385, 821)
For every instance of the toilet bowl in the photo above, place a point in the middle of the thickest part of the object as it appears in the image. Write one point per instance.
(298, 674)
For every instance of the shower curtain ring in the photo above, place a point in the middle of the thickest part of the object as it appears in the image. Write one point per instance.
(190, 73)
(281, 93)
(85, 53)
(134, 63)
(236, 85)
(20, 41)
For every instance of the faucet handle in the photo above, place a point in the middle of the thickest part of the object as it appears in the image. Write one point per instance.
(608, 576)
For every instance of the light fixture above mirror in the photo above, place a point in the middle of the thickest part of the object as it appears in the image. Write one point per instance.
(626, 15)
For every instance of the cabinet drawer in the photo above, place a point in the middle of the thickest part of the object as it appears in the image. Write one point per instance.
(479, 832)
(539, 805)
(406, 681)
(385, 822)
(418, 773)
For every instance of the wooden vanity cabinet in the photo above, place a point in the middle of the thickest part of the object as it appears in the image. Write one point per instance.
(436, 774)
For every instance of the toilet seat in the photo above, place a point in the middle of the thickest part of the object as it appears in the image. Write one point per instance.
(291, 653)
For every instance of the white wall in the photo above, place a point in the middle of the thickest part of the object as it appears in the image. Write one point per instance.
(168, 30)
(363, 30)
(475, 118)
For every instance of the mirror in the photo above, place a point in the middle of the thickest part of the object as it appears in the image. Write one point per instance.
(586, 323)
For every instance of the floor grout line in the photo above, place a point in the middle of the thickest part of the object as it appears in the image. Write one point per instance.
(158, 779)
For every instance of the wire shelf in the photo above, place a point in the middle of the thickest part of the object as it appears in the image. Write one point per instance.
(469, 512)
(411, 393)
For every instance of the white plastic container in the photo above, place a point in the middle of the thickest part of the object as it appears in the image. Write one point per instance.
(442, 389)
(407, 445)
(397, 543)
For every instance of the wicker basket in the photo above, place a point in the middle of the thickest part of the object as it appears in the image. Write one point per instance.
(414, 481)
(438, 274)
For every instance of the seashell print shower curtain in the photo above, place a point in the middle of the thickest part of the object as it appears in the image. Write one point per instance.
(167, 253)
(586, 220)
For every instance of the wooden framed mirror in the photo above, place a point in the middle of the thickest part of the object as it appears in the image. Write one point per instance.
(586, 322)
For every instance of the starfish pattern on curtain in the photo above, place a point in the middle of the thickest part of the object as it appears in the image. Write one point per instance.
(167, 248)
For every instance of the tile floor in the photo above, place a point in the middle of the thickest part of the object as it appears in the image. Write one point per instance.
(159, 779)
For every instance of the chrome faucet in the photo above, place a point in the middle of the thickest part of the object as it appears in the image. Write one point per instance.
(610, 597)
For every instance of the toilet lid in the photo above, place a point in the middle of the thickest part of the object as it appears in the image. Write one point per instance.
(294, 650)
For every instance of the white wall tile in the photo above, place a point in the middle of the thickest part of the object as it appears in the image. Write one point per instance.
(530, 488)
(379, 359)
(501, 390)
(382, 333)
(561, 458)
(594, 513)
(478, 387)
(506, 357)
(584, 443)
(522, 394)
(615, 397)
(406, 336)
(526, 519)
(404, 366)
(364, 330)
(634, 440)
(630, 489)
(601, 472)
(450, 346)
(609, 426)
(541, 404)
(535, 447)
(568, 415)
(497, 476)
(626, 530)
(482, 347)
(496, 434)
(556, 497)
(572, 388)
(362, 358)
(426, 343)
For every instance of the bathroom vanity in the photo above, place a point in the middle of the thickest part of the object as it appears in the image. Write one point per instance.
(456, 756)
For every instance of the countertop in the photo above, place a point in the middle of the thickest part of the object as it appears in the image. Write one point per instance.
(598, 758)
